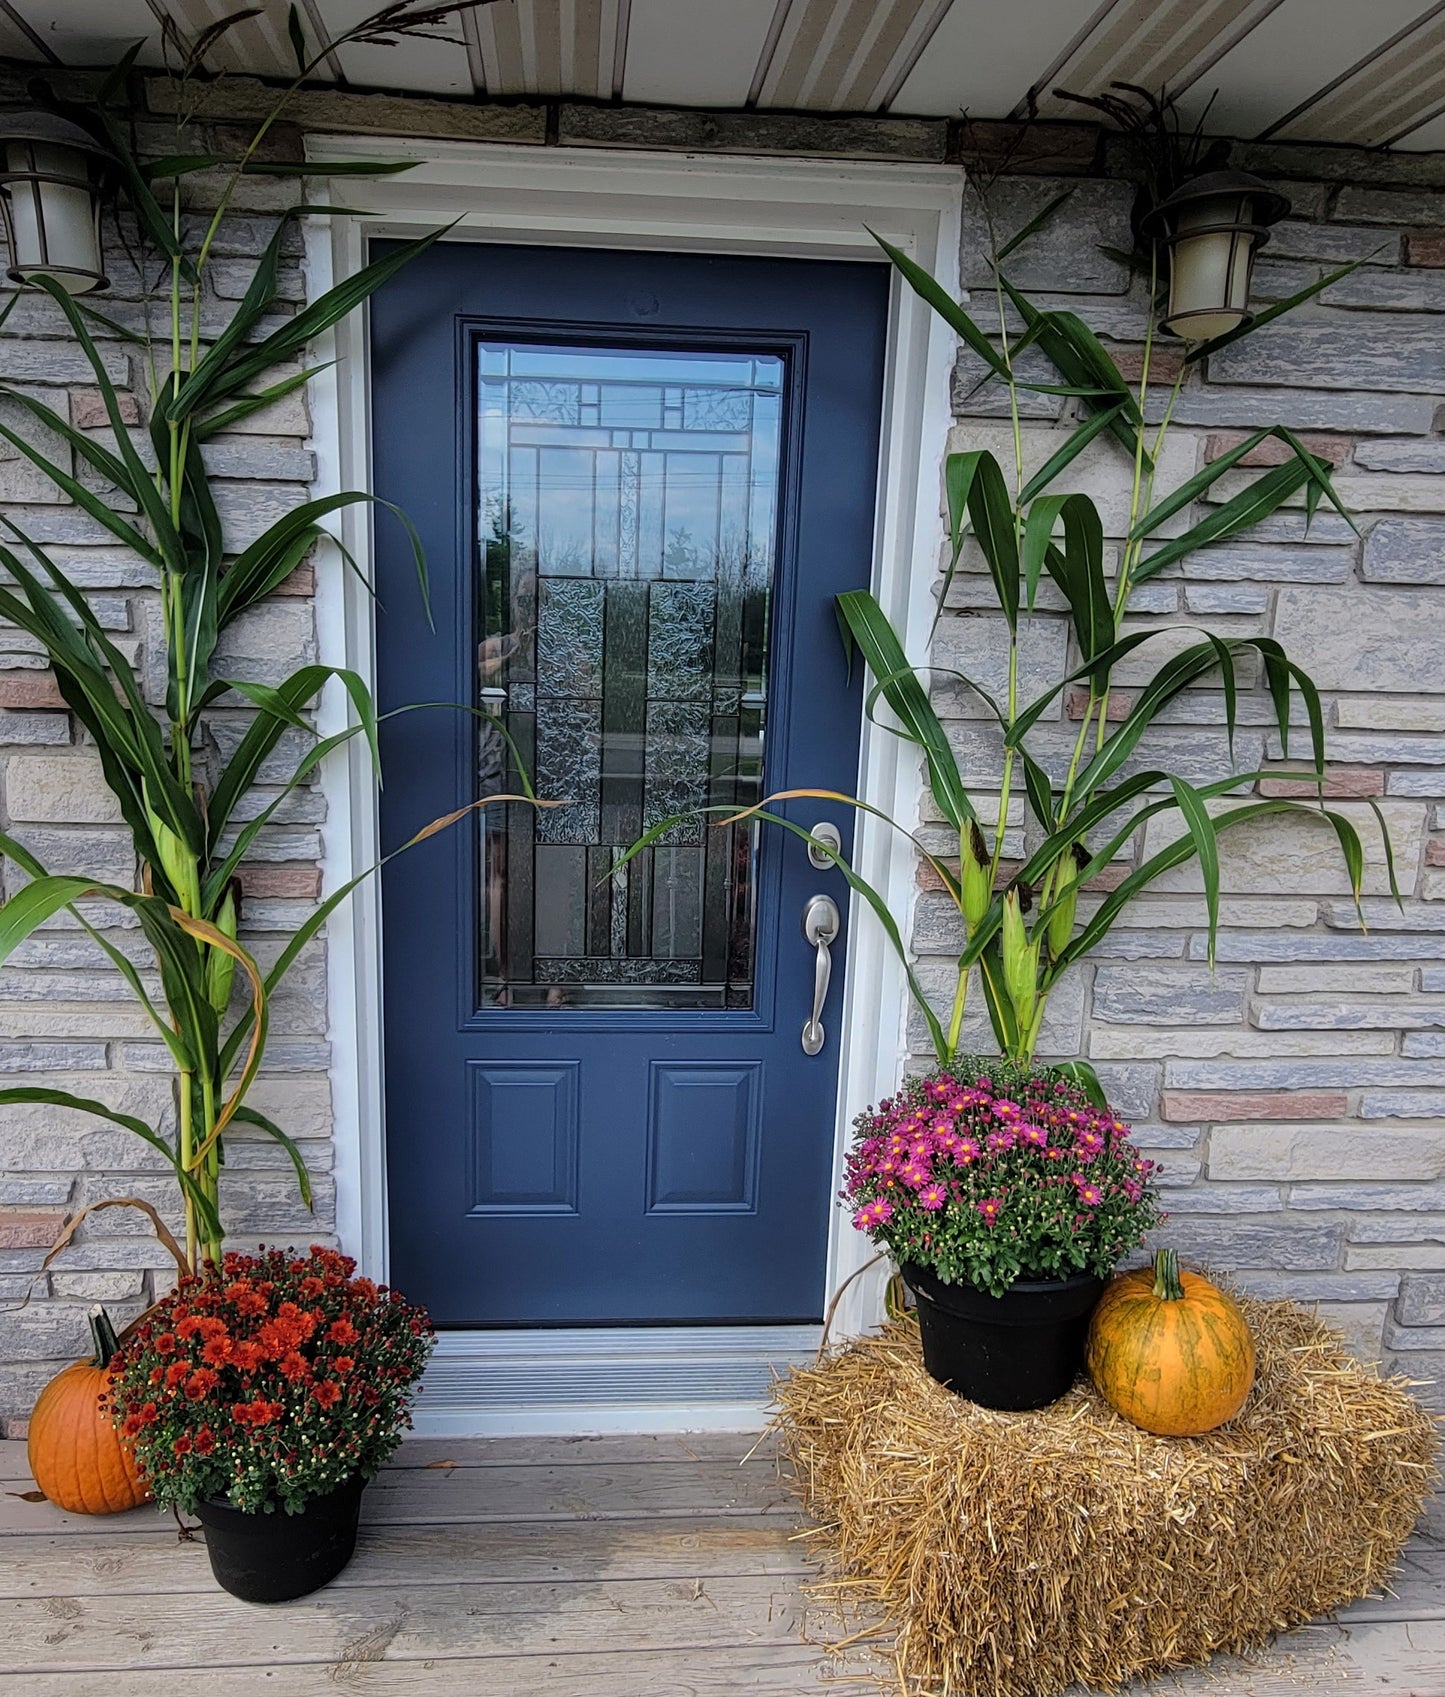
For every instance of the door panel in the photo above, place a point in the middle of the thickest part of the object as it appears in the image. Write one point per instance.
(640, 479)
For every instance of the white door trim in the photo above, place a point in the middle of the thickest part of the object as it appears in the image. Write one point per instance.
(605, 198)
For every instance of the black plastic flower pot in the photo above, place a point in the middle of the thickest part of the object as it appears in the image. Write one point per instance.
(270, 1558)
(1015, 1351)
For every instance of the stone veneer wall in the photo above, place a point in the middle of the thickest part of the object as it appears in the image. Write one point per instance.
(1297, 1096)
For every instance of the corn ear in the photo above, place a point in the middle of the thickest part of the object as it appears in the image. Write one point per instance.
(975, 882)
(1020, 961)
(176, 860)
(221, 967)
(1066, 898)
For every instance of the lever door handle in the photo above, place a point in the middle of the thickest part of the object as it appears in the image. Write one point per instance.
(821, 926)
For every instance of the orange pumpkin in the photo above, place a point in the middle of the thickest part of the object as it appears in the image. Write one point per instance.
(1170, 1351)
(78, 1458)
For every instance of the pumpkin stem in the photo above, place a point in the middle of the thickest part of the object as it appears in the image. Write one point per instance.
(102, 1336)
(1167, 1286)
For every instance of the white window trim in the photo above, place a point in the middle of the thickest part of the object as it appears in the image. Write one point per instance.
(606, 198)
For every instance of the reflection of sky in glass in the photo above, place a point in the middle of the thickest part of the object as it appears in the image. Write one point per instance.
(632, 463)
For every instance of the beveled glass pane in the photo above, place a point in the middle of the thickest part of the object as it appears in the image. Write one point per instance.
(628, 501)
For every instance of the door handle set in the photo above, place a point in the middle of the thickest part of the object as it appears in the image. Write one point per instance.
(821, 926)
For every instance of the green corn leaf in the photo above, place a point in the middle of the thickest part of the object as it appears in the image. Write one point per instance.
(1084, 1076)
(1110, 657)
(179, 165)
(87, 500)
(248, 1115)
(156, 223)
(1202, 350)
(996, 998)
(16, 1095)
(1033, 226)
(885, 658)
(1076, 362)
(991, 513)
(1389, 848)
(246, 404)
(1206, 846)
(1040, 790)
(297, 332)
(297, 34)
(114, 80)
(141, 486)
(948, 309)
(265, 731)
(1077, 441)
(1265, 495)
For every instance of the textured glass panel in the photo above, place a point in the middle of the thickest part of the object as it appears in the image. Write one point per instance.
(627, 504)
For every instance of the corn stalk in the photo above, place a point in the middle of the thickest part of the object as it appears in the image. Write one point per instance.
(149, 487)
(1021, 928)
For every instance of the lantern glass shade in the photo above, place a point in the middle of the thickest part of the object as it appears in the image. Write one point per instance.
(1213, 225)
(50, 198)
(1211, 262)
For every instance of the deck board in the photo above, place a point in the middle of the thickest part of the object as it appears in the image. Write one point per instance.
(555, 1567)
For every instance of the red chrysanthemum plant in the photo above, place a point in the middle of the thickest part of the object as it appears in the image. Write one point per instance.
(269, 1380)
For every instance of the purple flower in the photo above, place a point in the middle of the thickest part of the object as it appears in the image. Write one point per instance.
(932, 1197)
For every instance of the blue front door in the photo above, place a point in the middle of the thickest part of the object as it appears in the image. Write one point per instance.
(640, 479)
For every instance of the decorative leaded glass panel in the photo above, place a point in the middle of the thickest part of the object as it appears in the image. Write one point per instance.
(627, 506)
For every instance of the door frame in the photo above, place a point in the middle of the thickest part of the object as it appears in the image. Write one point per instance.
(787, 207)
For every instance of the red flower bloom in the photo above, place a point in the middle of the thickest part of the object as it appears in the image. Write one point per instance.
(342, 1331)
(205, 1440)
(166, 1344)
(176, 1373)
(182, 1445)
(328, 1393)
(342, 1364)
(295, 1366)
(218, 1351)
(201, 1382)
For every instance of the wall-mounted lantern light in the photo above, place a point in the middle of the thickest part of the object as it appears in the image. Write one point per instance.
(1214, 225)
(52, 180)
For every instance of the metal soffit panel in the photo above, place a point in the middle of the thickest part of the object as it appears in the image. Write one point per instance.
(1370, 72)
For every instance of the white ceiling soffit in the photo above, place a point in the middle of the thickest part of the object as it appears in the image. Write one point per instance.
(1371, 72)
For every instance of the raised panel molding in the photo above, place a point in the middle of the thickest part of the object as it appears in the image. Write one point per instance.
(704, 1123)
(524, 1143)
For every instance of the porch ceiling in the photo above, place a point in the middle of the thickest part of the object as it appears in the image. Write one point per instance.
(1369, 72)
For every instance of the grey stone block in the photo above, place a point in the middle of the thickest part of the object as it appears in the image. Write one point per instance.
(1314, 945)
(1125, 944)
(1226, 598)
(1308, 1074)
(1423, 1045)
(34, 730)
(1355, 410)
(1380, 205)
(1064, 256)
(1388, 454)
(1428, 1197)
(52, 1057)
(1225, 1199)
(1236, 1243)
(1423, 781)
(1422, 1299)
(1406, 353)
(1376, 640)
(1405, 550)
(1402, 1104)
(1322, 1287)
(34, 1192)
(1135, 996)
(1132, 1091)
(679, 129)
(239, 456)
(1417, 288)
(1292, 239)
(1347, 1016)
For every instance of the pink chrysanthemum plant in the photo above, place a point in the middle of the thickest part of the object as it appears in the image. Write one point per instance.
(986, 1172)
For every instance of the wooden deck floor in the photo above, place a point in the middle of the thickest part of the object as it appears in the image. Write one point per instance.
(601, 1567)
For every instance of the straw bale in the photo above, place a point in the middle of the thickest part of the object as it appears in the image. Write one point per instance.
(1012, 1555)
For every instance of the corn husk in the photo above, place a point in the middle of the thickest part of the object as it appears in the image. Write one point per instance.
(999, 1555)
